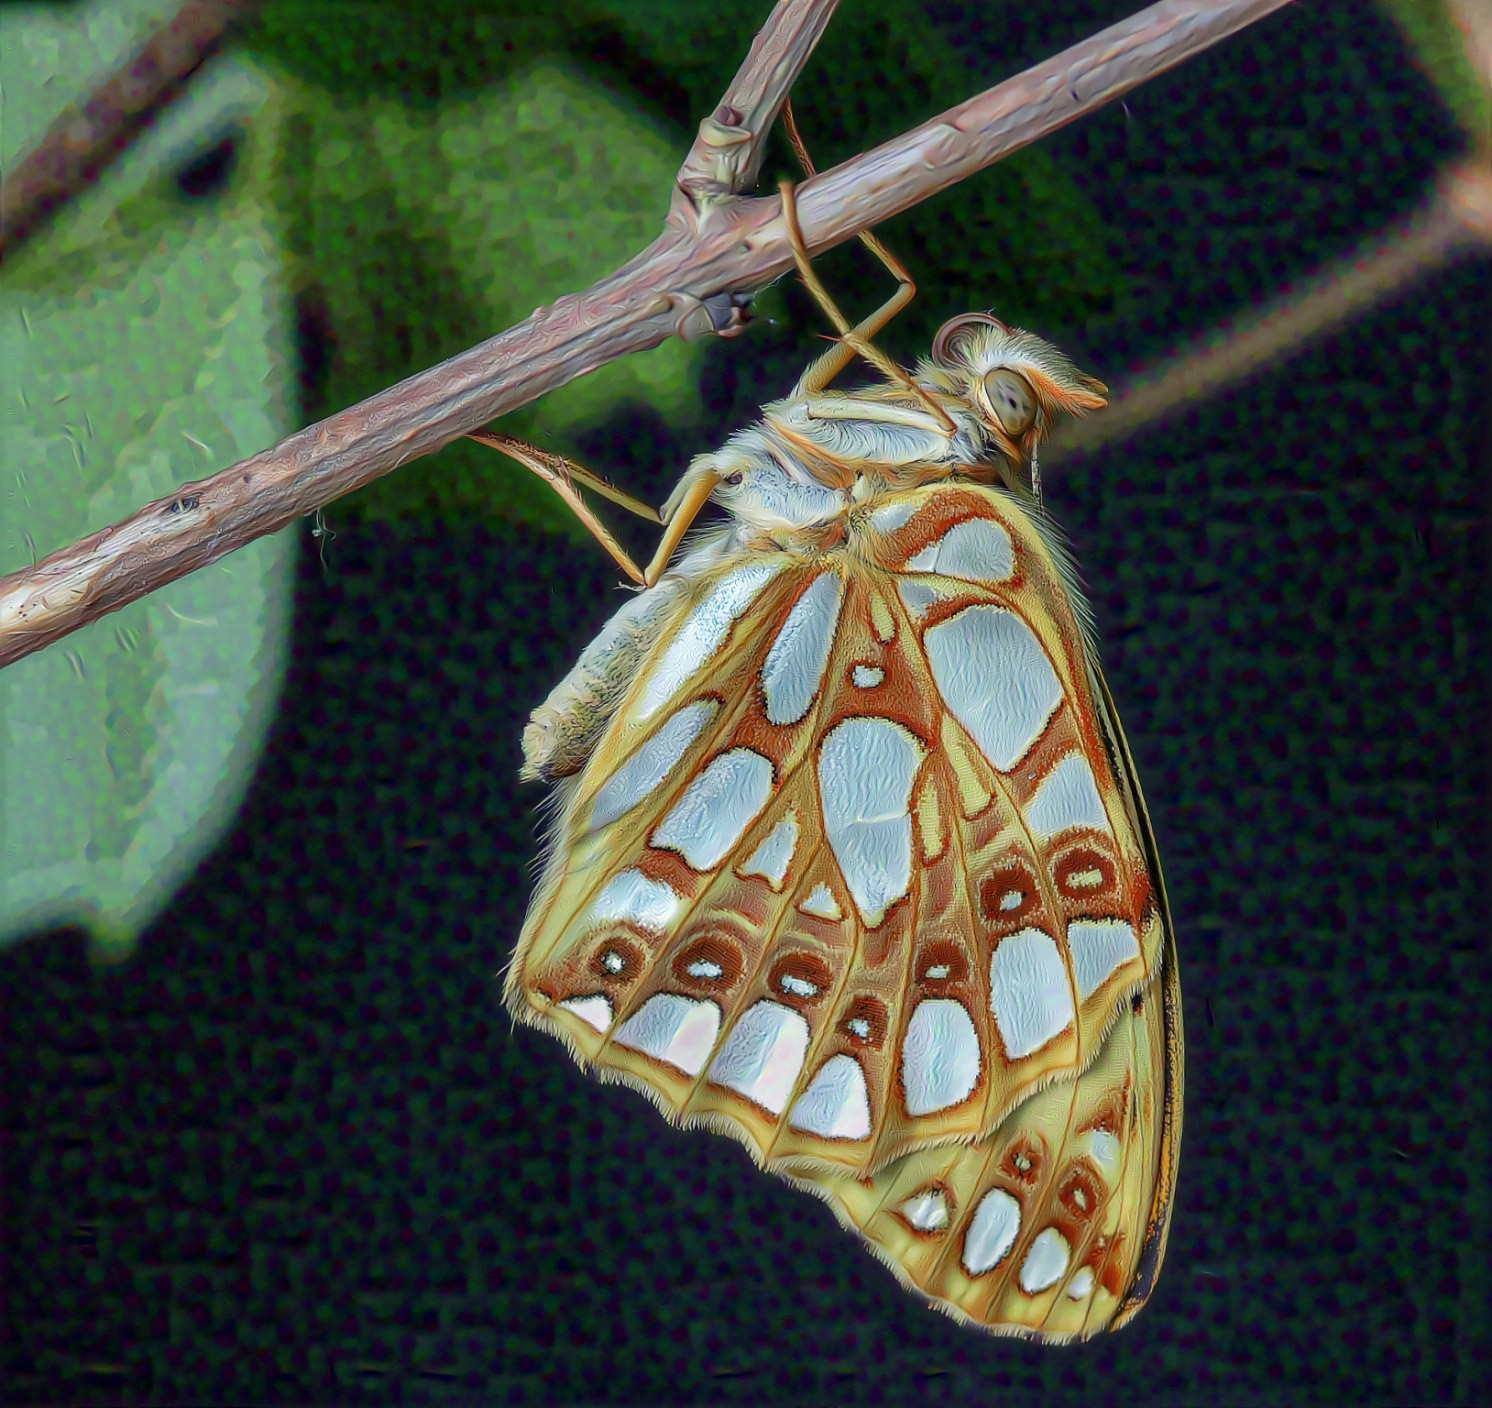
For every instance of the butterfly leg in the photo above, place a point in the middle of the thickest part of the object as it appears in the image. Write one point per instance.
(857, 339)
(682, 508)
(561, 475)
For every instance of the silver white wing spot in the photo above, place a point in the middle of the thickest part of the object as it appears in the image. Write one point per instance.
(889, 517)
(705, 824)
(1029, 992)
(672, 1028)
(940, 1061)
(821, 904)
(651, 763)
(702, 632)
(1098, 947)
(1045, 1263)
(992, 1232)
(772, 858)
(975, 550)
(836, 1103)
(996, 678)
(1106, 1151)
(763, 1055)
(794, 667)
(630, 895)
(595, 1010)
(1067, 796)
(926, 1211)
(865, 774)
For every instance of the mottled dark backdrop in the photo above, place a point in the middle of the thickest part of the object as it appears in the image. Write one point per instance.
(293, 1151)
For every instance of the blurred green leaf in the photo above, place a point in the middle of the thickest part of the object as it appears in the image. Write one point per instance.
(144, 341)
(1440, 51)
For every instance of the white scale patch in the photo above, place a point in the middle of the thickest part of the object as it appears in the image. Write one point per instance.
(821, 904)
(798, 987)
(867, 676)
(975, 550)
(595, 1010)
(631, 895)
(763, 1055)
(1081, 1283)
(794, 667)
(672, 1028)
(836, 1104)
(992, 1232)
(1029, 992)
(1068, 796)
(1045, 1263)
(866, 770)
(860, 1027)
(705, 824)
(1104, 1149)
(702, 632)
(889, 517)
(1098, 947)
(926, 1211)
(771, 859)
(704, 968)
(650, 764)
(996, 678)
(919, 598)
(940, 1061)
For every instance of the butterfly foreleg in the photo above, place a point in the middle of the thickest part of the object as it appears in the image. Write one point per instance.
(834, 361)
(562, 475)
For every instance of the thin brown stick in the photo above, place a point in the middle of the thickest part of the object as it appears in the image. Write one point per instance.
(1457, 220)
(714, 251)
(79, 145)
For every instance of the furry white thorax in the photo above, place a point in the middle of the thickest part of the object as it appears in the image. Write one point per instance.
(787, 472)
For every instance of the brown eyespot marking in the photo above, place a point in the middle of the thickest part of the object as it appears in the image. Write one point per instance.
(800, 979)
(1022, 1162)
(711, 962)
(1084, 874)
(1079, 1194)
(616, 959)
(864, 1022)
(1009, 896)
(941, 965)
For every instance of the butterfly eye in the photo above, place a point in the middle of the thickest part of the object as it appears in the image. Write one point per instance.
(1011, 400)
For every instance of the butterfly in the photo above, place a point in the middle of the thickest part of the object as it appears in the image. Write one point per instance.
(849, 859)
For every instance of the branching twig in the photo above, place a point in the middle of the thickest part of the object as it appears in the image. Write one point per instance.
(716, 249)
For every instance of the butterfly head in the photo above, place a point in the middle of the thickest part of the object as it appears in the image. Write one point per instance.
(1017, 384)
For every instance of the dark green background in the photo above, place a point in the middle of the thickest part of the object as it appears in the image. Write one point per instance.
(293, 1151)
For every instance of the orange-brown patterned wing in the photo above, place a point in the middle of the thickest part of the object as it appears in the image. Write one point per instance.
(1054, 1227)
(850, 872)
